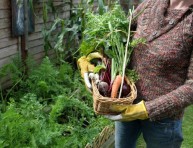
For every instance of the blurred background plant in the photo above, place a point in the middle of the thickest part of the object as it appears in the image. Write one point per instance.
(50, 107)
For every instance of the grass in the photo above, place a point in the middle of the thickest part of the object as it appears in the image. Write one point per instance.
(187, 130)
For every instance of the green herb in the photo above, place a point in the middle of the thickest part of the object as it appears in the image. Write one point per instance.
(97, 31)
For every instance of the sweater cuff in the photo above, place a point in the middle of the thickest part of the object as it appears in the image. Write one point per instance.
(154, 111)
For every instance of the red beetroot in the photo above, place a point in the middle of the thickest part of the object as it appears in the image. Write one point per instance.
(126, 90)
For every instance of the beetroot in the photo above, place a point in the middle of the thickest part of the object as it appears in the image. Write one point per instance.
(126, 90)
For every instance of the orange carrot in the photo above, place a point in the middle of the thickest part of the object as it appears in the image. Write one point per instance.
(115, 86)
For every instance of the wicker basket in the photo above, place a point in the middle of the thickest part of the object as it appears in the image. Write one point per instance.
(102, 104)
(103, 136)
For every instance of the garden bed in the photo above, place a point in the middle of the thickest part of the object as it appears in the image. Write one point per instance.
(47, 106)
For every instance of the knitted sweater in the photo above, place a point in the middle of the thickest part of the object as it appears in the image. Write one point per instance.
(165, 63)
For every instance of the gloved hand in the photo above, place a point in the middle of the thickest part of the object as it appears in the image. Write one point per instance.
(86, 67)
(129, 112)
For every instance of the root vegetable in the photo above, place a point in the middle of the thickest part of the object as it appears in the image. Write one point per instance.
(103, 88)
(115, 86)
(125, 90)
(97, 82)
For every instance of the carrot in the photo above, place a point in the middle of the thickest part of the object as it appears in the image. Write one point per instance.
(115, 86)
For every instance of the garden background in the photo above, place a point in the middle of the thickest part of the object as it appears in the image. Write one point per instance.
(44, 102)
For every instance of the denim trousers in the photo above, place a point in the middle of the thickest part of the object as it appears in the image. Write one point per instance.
(166, 133)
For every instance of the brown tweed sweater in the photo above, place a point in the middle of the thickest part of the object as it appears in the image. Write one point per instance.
(165, 63)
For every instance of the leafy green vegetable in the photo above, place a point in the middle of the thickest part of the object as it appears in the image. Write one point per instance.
(97, 30)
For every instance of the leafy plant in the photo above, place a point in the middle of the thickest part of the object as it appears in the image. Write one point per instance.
(64, 36)
(45, 108)
(24, 124)
(42, 80)
(97, 28)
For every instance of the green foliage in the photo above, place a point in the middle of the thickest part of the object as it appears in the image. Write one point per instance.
(50, 108)
(102, 8)
(71, 108)
(63, 36)
(87, 47)
(25, 125)
(132, 74)
(42, 80)
(98, 68)
(187, 127)
(97, 30)
(14, 70)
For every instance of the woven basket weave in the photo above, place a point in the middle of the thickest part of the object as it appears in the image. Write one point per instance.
(101, 138)
(102, 104)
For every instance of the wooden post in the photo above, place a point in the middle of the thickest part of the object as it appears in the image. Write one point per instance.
(24, 38)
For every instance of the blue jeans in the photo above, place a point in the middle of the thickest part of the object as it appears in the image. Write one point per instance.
(165, 133)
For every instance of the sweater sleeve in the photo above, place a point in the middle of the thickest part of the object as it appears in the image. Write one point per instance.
(178, 99)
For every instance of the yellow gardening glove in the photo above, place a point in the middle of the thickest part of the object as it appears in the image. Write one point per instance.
(129, 112)
(86, 67)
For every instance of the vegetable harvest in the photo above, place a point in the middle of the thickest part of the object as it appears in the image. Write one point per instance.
(110, 34)
(115, 86)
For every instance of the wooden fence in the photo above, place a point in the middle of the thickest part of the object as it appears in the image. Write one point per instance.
(10, 46)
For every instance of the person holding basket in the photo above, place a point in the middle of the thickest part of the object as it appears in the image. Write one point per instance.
(165, 68)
